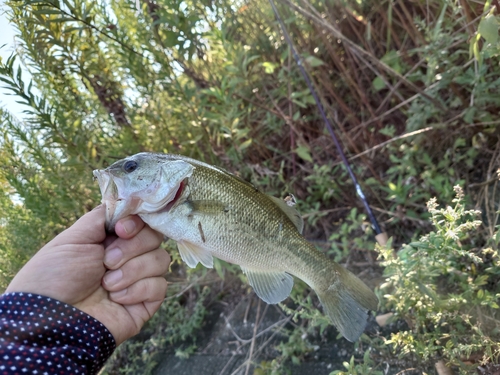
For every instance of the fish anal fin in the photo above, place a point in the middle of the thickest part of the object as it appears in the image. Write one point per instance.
(193, 254)
(291, 212)
(271, 286)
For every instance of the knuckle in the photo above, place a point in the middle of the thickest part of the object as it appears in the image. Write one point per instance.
(163, 260)
(147, 288)
(159, 289)
(156, 235)
(164, 286)
(147, 238)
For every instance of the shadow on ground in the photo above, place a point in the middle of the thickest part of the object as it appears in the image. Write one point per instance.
(229, 339)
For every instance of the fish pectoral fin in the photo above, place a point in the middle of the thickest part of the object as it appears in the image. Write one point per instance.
(193, 254)
(271, 286)
(291, 212)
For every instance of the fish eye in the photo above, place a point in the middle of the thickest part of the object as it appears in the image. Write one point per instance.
(130, 166)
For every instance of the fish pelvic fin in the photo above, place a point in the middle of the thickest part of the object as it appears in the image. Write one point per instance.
(347, 302)
(193, 254)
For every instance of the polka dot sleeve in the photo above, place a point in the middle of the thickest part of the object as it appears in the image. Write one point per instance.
(41, 335)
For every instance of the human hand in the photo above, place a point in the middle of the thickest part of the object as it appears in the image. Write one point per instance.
(117, 279)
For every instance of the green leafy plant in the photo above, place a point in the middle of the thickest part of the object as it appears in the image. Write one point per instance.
(174, 323)
(445, 287)
(366, 367)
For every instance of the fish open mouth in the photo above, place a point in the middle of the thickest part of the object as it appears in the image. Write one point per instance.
(177, 196)
(118, 205)
(148, 191)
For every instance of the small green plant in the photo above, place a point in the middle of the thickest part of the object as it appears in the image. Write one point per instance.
(364, 368)
(174, 323)
(354, 232)
(445, 286)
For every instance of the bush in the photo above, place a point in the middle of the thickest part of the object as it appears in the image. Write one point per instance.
(445, 286)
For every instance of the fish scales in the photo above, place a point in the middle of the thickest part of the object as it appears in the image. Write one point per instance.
(251, 212)
(212, 213)
(264, 224)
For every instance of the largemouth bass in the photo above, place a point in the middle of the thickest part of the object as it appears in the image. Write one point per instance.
(211, 213)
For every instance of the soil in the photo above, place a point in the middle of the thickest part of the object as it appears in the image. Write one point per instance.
(225, 342)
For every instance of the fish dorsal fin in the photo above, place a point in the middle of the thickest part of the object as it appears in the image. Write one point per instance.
(291, 212)
(193, 254)
(270, 286)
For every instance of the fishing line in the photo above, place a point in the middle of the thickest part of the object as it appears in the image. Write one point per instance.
(359, 191)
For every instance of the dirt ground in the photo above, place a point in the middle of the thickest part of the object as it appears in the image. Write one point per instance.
(227, 341)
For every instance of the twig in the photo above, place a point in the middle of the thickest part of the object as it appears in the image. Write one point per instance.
(421, 222)
(197, 281)
(227, 364)
(92, 27)
(361, 51)
(246, 312)
(487, 199)
(483, 123)
(325, 211)
(264, 344)
(416, 132)
(247, 341)
(487, 182)
(288, 119)
(383, 144)
(398, 83)
(228, 325)
(252, 345)
(327, 123)
(405, 370)
(290, 110)
(270, 110)
(177, 295)
(393, 109)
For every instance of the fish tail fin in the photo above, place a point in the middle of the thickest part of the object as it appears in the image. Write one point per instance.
(346, 302)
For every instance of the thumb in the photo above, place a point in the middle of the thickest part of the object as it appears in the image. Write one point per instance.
(89, 229)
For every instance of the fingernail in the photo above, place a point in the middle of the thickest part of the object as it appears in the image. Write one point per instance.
(113, 257)
(113, 277)
(118, 294)
(128, 226)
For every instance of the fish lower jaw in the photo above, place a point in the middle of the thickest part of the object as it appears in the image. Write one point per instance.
(118, 209)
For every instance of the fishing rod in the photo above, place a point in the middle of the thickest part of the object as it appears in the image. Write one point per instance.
(381, 237)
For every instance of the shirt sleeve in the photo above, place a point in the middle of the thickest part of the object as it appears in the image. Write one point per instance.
(41, 335)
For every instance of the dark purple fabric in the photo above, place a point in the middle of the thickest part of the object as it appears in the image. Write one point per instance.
(41, 335)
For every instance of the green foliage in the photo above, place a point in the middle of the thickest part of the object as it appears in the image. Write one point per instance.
(364, 368)
(172, 324)
(308, 320)
(445, 287)
(487, 29)
(352, 232)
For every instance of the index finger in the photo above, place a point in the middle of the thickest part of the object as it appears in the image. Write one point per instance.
(122, 250)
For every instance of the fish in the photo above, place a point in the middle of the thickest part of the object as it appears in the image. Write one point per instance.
(211, 213)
